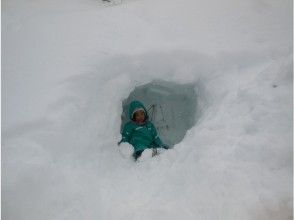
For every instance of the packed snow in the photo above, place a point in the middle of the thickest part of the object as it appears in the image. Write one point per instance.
(69, 66)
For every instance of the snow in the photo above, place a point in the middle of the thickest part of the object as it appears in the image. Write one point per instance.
(67, 67)
(146, 155)
(126, 150)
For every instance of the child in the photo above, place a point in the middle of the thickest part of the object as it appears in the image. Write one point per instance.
(139, 131)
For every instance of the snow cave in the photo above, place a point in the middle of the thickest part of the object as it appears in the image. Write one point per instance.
(171, 107)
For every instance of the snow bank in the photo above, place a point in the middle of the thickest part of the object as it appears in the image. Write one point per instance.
(60, 158)
(236, 163)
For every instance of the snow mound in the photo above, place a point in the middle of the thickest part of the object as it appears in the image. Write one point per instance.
(68, 67)
(126, 150)
(237, 157)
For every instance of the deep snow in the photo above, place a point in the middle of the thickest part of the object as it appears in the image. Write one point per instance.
(67, 66)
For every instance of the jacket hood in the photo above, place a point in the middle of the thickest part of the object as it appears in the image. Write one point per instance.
(135, 106)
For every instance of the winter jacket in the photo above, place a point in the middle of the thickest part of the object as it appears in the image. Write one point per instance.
(141, 136)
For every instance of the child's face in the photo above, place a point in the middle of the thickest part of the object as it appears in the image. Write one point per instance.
(139, 116)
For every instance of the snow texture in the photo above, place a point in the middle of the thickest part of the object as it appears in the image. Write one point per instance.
(146, 155)
(126, 150)
(68, 66)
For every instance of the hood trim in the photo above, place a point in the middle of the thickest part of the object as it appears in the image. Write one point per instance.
(137, 109)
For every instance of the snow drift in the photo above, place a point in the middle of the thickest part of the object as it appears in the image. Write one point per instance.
(62, 105)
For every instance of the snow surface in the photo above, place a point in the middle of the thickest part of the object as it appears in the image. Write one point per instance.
(67, 66)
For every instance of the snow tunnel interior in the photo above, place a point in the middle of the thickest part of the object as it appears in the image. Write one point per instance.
(171, 108)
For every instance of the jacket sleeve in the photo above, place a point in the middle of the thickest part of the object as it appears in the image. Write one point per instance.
(156, 141)
(126, 133)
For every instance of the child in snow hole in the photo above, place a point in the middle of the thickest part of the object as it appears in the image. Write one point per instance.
(139, 131)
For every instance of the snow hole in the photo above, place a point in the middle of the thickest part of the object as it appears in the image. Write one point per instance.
(171, 107)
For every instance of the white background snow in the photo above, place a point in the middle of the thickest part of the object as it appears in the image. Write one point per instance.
(68, 65)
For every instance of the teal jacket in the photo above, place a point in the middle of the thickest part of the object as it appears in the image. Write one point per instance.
(140, 136)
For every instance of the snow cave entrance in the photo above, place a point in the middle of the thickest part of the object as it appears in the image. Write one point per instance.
(171, 108)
